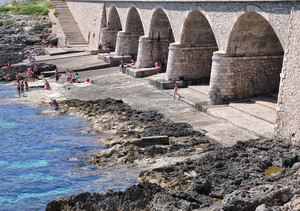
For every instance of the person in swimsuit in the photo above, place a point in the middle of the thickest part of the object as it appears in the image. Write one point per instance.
(26, 86)
(35, 72)
(19, 88)
(22, 86)
(29, 73)
(176, 90)
(18, 77)
(47, 85)
(68, 73)
(56, 76)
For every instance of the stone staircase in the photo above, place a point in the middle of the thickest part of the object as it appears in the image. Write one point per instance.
(68, 24)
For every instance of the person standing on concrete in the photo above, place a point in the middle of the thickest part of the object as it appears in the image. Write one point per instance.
(176, 90)
(56, 76)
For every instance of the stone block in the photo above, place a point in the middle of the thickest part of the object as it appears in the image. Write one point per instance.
(152, 140)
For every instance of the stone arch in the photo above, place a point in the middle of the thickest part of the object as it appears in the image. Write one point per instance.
(255, 56)
(134, 22)
(128, 40)
(114, 22)
(192, 58)
(253, 35)
(197, 30)
(161, 35)
(113, 26)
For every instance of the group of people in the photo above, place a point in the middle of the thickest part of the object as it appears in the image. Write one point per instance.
(33, 72)
(106, 47)
(70, 78)
(21, 86)
(124, 65)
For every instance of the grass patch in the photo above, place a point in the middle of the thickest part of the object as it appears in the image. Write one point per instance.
(40, 27)
(27, 8)
(8, 22)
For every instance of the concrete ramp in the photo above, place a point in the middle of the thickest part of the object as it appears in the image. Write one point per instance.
(68, 24)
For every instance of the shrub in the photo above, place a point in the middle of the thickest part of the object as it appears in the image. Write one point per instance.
(4, 9)
(56, 14)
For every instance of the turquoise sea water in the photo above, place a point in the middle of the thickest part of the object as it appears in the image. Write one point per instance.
(44, 157)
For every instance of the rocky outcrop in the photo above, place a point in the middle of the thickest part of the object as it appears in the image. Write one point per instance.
(9, 73)
(19, 38)
(138, 134)
(208, 177)
(143, 196)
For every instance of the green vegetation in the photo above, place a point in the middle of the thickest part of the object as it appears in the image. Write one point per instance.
(8, 22)
(56, 14)
(40, 28)
(27, 8)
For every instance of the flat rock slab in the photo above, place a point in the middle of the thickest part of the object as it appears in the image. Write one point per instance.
(152, 140)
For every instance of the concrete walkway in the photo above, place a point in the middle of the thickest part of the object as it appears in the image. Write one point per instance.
(226, 124)
(77, 61)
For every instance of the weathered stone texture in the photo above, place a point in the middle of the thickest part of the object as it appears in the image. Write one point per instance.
(111, 37)
(88, 17)
(189, 62)
(127, 43)
(288, 116)
(236, 78)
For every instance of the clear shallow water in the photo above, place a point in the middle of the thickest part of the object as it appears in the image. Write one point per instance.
(44, 157)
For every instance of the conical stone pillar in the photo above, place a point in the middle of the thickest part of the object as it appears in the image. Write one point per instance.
(144, 57)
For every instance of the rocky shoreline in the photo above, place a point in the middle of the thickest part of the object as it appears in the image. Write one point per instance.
(187, 172)
(182, 169)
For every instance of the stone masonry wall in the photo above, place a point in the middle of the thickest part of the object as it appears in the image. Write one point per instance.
(234, 78)
(111, 37)
(127, 43)
(255, 76)
(160, 49)
(288, 106)
(189, 62)
(221, 15)
(88, 17)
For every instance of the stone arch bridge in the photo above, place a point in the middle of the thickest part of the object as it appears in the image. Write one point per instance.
(245, 48)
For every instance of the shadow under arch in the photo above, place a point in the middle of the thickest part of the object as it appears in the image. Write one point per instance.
(256, 56)
(128, 40)
(197, 30)
(161, 35)
(113, 26)
(192, 57)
